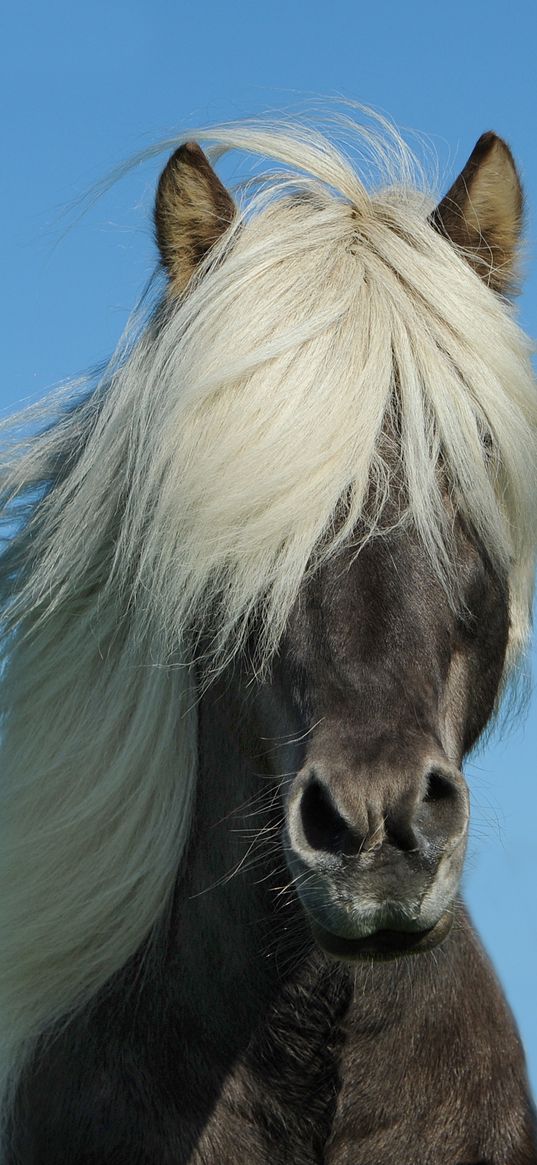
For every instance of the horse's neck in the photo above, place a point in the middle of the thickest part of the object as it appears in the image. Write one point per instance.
(260, 1009)
(234, 934)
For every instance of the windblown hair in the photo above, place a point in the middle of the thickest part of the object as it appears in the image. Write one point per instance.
(196, 485)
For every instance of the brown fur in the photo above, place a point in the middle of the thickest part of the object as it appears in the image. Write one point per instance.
(192, 211)
(482, 212)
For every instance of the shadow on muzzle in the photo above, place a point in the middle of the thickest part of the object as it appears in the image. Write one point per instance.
(377, 856)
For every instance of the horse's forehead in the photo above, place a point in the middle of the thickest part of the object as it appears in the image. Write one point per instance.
(376, 631)
(366, 592)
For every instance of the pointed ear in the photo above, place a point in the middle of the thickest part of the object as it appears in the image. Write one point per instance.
(192, 211)
(482, 213)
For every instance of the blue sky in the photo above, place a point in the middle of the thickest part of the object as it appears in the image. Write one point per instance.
(86, 86)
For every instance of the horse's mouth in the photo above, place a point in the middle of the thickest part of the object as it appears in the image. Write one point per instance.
(383, 944)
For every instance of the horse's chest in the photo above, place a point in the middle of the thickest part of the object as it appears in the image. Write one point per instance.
(319, 1089)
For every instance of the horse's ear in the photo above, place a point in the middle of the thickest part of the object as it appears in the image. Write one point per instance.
(192, 210)
(482, 212)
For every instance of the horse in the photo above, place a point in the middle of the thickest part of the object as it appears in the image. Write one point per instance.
(265, 581)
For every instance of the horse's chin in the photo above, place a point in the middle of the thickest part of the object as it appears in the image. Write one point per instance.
(383, 944)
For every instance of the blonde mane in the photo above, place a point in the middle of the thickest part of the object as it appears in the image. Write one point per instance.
(202, 474)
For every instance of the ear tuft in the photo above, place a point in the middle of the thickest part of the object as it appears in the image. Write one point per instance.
(192, 211)
(482, 212)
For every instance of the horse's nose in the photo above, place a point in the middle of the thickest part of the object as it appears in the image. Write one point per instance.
(421, 818)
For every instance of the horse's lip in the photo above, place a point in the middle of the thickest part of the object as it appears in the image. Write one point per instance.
(383, 944)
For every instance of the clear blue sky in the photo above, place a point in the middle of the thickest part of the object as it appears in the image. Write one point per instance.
(85, 86)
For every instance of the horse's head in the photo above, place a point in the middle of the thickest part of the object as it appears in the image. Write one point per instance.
(379, 689)
(387, 672)
(290, 534)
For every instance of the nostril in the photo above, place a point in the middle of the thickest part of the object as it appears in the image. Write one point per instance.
(324, 828)
(439, 787)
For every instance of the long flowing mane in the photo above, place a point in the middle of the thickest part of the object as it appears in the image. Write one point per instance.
(200, 478)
